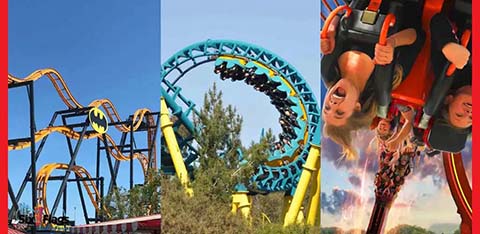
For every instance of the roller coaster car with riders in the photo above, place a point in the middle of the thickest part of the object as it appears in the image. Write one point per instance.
(417, 92)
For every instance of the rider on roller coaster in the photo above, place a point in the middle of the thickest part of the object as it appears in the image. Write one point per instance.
(348, 69)
(450, 100)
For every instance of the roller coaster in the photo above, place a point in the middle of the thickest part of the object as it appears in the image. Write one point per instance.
(411, 92)
(143, 120)
(294, 160)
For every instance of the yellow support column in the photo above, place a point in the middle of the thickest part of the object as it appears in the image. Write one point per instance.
(314, 208)
(172, 144)
(287, 200)
(240, 200)
(234, 206)
(308, 169)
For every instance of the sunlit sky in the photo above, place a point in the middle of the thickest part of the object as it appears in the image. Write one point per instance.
(103, 49)
(287, 28)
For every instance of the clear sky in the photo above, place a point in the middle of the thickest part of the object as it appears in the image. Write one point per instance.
(103, 49)
(289, 29)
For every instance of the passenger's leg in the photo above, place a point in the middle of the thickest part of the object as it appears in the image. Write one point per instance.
(440, 87)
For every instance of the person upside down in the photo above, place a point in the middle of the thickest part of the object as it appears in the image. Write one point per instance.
(350, 104)
(453, 101)
(388, 137)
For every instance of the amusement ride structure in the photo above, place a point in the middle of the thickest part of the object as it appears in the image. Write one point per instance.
(79, 123)
(294, 161)
(411, 92)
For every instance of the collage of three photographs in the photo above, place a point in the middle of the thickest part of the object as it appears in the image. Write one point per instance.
(181, 116)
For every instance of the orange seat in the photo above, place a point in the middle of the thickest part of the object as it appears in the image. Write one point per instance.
(415, 88)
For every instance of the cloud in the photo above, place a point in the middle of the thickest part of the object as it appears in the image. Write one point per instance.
(402, 205)
(332, 152)
(343, 205)
(424, 167)
(339, 200)
(355, 180)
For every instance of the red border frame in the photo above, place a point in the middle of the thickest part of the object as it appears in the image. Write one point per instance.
(4, 116)
(476, 121)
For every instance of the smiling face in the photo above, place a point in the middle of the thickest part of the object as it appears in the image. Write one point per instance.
(383, 127)
(460, 108)
(340, 103)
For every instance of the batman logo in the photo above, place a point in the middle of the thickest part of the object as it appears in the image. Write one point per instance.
(98, 120)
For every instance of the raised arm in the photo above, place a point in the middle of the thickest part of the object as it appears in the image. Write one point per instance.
(395, 141)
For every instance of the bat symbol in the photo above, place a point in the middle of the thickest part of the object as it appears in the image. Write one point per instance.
(98, 120)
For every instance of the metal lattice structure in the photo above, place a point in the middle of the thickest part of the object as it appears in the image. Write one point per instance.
(143, 120)
(268, 73)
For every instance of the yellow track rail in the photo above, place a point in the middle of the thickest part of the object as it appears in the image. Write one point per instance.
(70, 101)
(46, 131)
(113, 149)
(57, 82)
(44, 174)
(67, 97)
(292, 93)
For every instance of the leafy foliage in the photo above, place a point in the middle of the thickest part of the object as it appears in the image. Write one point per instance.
(207, 214)
(219, 167)
(218, 171)
(141, 200)
(408, 229)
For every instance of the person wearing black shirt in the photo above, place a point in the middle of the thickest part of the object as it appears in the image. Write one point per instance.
(350, 104)
(450, 97)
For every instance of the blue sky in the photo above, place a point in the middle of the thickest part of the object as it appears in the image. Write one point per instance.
(287, 28)
(103, 50)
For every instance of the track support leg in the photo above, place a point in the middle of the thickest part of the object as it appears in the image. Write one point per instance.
(311, 165)
(240, 200)
(172, 144)
(313, 217)
(287, 200)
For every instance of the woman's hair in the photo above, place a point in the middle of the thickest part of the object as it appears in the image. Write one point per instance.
(342, 135)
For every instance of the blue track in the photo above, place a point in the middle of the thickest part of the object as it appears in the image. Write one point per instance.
(265, 72)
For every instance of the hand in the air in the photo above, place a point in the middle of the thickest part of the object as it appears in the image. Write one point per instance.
(384, 53)
(408, 149)
(392, 145)
(328, 44)
(456, 54)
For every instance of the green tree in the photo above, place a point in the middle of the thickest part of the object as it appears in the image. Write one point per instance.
(215, 177)
(24, 209)
(408, 229)
(219, 140)
(141, 200)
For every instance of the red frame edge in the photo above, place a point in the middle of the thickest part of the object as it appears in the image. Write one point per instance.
(476, 121)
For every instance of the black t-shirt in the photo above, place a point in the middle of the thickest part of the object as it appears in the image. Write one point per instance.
(442, 33)
(409, 17)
